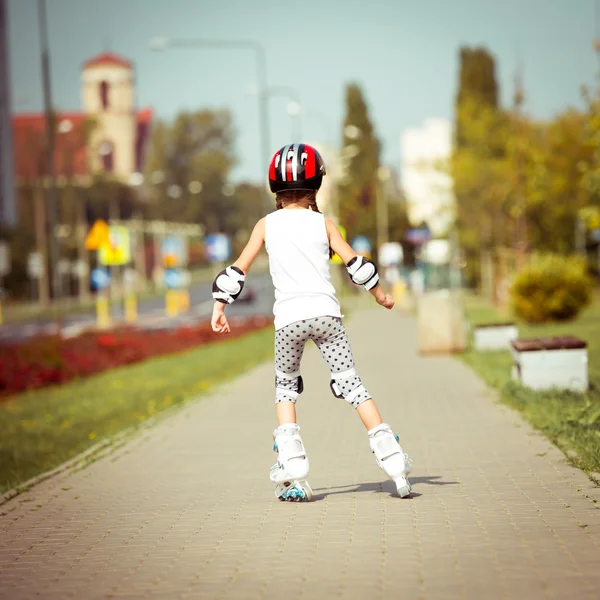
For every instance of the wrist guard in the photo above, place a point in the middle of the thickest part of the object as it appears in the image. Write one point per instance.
(363, 271)
(228, 285)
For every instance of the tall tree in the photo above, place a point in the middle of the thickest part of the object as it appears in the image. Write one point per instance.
(479, 167)
(187, 168)
(476, 84)
(360, 158)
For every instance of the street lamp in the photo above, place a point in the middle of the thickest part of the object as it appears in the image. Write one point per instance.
(49, 110)
(165, 43)
(294, 107)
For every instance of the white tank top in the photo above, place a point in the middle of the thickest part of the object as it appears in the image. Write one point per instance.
(298, 247)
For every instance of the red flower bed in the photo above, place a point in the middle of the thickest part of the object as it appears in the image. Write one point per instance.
(48, 360)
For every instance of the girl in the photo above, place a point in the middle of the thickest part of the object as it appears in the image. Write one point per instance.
(299, 242)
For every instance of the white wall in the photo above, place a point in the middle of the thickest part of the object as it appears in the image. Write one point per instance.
(428, 190)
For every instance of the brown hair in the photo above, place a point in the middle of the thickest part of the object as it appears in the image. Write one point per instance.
(283, 198)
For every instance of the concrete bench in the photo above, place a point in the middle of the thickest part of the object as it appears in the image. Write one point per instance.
(494, 336)
(545, 363)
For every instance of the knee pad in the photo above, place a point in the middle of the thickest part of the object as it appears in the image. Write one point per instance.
(288, 386)
(292, 461)
(348, 386)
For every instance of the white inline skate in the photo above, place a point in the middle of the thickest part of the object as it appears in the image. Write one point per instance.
(290, 471)
(390, 457)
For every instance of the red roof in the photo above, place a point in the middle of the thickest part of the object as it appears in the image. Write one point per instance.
(107, 58)
(29, 140)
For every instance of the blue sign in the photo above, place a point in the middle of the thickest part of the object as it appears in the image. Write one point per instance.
(100, 278)
(361, 245)
(418, 236)
(218, 247)
(174, 251)
(173, 279)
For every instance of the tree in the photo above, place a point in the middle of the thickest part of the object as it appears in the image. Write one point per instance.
(187, 167)
(360, 155)
(476, 84)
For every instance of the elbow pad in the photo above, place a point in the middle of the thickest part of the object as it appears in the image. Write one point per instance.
(228, 285)
(363, 271)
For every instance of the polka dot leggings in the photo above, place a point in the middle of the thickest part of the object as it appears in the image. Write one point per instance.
(329, 334)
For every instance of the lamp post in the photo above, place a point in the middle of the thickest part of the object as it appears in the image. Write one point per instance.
(294, 107)
(48, 109)
(164, 43)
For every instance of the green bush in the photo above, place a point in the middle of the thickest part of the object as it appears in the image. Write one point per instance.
(551, 288)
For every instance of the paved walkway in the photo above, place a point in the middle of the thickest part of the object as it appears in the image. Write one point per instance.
(186, 510)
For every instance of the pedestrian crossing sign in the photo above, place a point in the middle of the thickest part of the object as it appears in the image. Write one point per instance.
(117, 250)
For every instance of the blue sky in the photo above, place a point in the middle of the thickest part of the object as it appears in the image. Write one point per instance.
(403, 53)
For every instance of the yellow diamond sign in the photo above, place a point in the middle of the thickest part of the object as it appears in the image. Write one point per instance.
(97, 236)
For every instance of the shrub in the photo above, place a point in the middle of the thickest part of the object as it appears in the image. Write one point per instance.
(551, 288)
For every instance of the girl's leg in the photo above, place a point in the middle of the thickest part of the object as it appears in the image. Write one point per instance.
(289, 347)
(290, 471)
(331, 339)
(369, 414)
(329, 334)
(286, 412)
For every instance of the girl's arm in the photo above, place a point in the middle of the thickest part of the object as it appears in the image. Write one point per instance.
(253, 247)
(343, 249)
(244, 262)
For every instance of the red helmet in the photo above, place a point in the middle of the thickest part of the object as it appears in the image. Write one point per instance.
(296, 167)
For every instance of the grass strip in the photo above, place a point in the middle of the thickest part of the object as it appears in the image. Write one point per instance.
(41, 429)
(570, 420)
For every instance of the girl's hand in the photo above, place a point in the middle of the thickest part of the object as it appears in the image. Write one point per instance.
(219, 321)
(385, 300)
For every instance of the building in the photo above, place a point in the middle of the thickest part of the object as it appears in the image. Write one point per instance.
(108, 135)
(8, 215)
(427, 186)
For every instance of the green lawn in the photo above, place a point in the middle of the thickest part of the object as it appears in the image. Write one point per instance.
(41, 429)
(571, 421)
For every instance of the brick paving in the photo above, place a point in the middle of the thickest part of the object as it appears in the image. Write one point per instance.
(185, 509)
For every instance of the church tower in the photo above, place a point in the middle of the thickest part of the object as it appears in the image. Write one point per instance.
(108, 96)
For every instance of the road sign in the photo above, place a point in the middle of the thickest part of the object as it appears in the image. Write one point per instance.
(362, 245)
(217, 247)
(174, 251)
(4, 259)
(98, 235)
(100, 278)
(390, 254)
(173, 279)
(35, 265)
(117, 251)
(418, 236)
(437, 252)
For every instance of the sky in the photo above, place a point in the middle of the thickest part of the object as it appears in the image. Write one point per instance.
(403, 53)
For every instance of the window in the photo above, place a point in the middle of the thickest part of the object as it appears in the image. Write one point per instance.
(107, 155)
(104, 94)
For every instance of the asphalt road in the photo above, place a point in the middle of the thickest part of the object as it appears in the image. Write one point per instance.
(152, 313)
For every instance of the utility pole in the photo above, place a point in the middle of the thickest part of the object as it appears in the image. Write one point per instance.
(8, 211)
(52, 202)
(521, 229)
